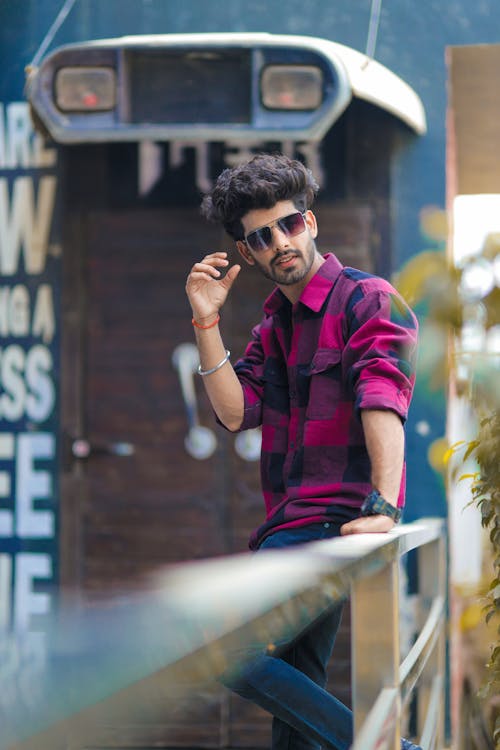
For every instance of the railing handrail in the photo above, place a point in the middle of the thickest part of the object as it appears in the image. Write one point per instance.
(202, 611)
(333, 563)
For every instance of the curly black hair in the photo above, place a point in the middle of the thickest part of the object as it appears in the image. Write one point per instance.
(259, 183)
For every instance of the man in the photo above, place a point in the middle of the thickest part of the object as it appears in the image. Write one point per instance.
(328, 374)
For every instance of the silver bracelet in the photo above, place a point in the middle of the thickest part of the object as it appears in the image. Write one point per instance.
(217, 367)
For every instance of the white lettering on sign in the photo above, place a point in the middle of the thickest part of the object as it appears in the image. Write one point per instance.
(312, 157)
(235, 152)
(33, 484)
(40, 395)
(19, 145)
(202, 161)
(25, 224)
(44, 322)
(26, 383)
(5, 591)
(29, 568)
(13, 397)
(150, 167)
(6, 515)
(28, 326)
(15, 312)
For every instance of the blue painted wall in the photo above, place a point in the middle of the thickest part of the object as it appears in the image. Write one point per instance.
(30, 266)
(412, 39)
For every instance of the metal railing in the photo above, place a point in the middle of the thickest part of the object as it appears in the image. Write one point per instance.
(194, 617)
(382, 687)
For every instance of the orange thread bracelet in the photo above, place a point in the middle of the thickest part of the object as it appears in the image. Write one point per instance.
(204, 328)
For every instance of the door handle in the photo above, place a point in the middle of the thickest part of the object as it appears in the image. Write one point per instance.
(83, 448)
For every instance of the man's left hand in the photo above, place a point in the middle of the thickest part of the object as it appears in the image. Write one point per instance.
(377, 524)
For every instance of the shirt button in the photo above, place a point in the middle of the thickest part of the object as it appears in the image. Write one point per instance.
(326, 525)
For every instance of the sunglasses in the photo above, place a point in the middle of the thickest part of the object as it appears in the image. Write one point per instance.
(262, 238)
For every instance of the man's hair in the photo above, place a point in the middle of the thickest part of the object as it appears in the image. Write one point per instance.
(259, 183)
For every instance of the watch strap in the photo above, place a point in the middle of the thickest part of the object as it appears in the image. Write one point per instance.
(374, 504)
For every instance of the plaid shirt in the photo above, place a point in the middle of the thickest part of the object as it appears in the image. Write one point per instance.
(347, 344)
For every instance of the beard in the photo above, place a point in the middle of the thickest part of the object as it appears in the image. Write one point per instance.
(288, 276)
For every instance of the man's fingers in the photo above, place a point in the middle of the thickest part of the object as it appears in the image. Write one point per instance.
(197, 276)
(209, 265)
(347, 528)
(205, 268)
(375, 524)
(206, 272)
(230, 276)
(219, 259)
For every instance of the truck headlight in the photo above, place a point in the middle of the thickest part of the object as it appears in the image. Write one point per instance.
(296, 87)
(85, 89)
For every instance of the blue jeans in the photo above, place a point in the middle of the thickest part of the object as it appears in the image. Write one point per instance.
(290, 683)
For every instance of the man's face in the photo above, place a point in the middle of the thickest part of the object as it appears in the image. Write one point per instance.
(289, 261)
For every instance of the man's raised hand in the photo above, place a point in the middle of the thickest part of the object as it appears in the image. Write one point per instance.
(206, 288)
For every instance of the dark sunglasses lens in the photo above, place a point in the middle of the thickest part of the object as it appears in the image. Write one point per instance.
(290, 225)
(293, 224)
(260, 239)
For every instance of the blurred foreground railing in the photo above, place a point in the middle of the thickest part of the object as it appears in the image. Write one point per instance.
(186, 627)
(382, 687)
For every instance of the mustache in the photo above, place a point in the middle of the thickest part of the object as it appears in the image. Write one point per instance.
(283, 254)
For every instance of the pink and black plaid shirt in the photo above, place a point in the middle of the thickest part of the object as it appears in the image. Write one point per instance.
(348, 344)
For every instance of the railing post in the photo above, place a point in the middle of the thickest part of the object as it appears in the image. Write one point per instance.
(375, 642)
(432, 583)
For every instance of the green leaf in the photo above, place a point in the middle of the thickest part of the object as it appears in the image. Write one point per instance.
(470, 448)
(451, 450)
(474, 476)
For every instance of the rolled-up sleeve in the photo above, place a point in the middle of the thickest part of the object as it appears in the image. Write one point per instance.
(249, 370)
(380, 352)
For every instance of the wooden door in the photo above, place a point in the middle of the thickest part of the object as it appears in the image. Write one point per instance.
(145, 501)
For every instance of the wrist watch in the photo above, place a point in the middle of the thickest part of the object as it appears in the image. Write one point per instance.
(374, 504)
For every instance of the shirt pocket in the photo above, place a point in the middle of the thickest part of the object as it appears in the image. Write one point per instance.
(325, 388)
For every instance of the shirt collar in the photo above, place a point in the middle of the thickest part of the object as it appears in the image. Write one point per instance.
(317, 290)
